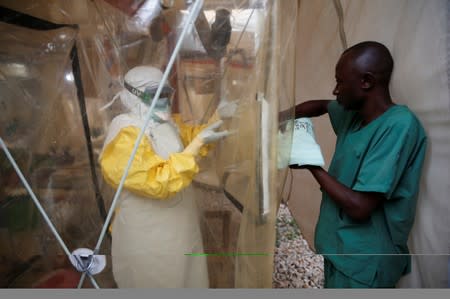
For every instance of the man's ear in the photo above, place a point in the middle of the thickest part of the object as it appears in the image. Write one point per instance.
(367, 81)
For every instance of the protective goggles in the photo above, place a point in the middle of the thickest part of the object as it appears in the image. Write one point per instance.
(149, 93)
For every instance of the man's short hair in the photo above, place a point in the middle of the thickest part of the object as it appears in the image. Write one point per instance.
(375, 57)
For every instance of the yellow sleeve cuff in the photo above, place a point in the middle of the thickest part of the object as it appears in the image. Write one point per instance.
(188, 133)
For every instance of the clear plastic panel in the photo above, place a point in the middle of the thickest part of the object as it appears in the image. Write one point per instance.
(239, 51)
(42, 127)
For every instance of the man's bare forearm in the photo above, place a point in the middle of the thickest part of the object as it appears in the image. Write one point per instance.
(307, 109)
(358, 205)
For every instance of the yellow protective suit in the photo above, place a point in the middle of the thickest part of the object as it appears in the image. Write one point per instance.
(157, 222)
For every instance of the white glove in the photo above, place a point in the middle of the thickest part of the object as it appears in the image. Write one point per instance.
(227, 109)
(305, 150)
(207, 135)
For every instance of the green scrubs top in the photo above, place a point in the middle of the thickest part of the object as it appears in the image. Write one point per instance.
(385, 156)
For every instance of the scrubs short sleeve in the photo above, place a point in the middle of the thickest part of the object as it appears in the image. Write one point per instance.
(394, 150)
(339, 117)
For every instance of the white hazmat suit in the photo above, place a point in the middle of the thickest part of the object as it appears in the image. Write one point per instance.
(156, 225)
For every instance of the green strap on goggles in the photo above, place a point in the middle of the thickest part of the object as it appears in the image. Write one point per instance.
(147, 95)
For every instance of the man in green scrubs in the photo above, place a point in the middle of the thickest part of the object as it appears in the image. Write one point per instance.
(370, 189)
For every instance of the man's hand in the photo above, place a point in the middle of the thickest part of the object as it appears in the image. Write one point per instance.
(296, 166)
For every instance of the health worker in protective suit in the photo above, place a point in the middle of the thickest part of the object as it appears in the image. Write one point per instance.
(156, 222)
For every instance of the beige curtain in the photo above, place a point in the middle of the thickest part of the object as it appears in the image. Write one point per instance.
(417, 33)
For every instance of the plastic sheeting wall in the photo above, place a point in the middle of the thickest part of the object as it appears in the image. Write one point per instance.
(48, 113)
(417, 33)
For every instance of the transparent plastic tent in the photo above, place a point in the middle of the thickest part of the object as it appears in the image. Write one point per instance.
(62, 61)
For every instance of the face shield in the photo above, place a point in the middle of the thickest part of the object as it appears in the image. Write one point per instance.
(162, 108)
(149, 93)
